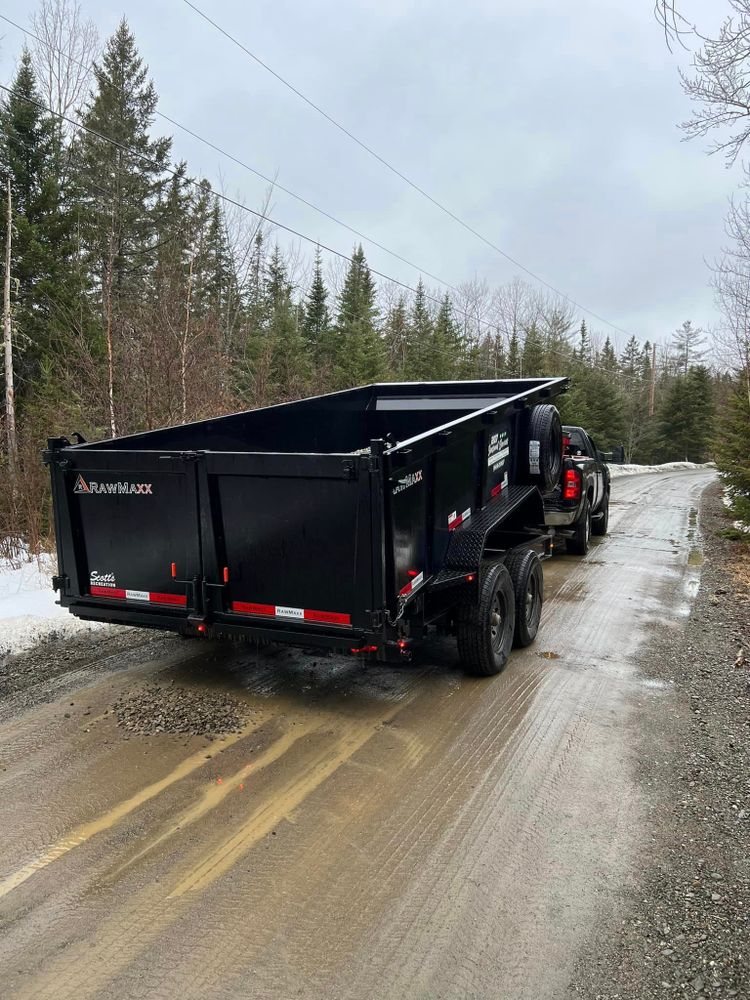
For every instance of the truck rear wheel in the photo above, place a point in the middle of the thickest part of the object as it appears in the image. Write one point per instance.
(526, 575)
(600, 525)
(545, 446)
(485, 628)
(579, 543)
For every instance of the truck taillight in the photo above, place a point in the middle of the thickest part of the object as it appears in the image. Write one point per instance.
(572, 485)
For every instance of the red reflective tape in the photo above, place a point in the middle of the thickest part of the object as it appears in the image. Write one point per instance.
(285, 614)
(178, 599)
(328, 617)
(496, 490)
(254, 609)
(412, 585)
(107, 592)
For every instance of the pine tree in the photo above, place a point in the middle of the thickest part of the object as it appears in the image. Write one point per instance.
(119, 180)
(688, 347)
(41, 248)
(447, 350)
(316, 325)
(608, 359)
(287, 348)
(582, 354)
(687, 414)
(419, 344)
(396, 335)
(533, 353)
(733, 447)
(119, 185)
(359, 354)
(513, 363)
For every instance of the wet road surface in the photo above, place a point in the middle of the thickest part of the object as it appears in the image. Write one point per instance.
(372, 832)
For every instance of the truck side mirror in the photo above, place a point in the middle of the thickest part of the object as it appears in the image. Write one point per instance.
(618, 453)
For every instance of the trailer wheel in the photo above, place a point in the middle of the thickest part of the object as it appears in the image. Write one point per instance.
(485, 628)
(525, 570)
(600, 525)
(545, 446)
(579, 543)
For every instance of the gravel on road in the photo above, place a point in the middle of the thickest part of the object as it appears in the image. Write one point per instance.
(683, 926)
(168, 708)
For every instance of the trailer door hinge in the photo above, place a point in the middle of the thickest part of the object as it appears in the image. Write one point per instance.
(372, 464)
(189, 456)
(350, 469)
(376, 619)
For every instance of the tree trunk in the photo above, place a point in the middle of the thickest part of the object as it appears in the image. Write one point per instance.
(185, 342)
(108, 326)
(10, 401)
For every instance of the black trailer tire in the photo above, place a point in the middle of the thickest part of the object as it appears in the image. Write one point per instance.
(526, 575)
(485, 627)
(601, 524)
(545, 447)
(578, 545)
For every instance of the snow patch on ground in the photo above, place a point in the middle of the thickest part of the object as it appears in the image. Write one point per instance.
(28, 612)
(634, 470)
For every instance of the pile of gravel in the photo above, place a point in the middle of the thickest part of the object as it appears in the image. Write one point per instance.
(156, 708)
(686, 932)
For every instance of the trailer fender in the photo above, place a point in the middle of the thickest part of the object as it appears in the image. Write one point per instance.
(514, 510)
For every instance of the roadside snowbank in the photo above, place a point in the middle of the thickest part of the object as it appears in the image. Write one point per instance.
(634, 470)
(28, 612)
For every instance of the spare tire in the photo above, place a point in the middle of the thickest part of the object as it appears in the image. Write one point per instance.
(545, 447)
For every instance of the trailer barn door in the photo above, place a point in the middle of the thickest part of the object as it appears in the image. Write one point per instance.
(135, 524)
(292, 540)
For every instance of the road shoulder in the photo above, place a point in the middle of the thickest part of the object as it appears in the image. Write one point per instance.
(682, 926)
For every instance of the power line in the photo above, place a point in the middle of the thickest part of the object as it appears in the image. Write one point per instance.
(407, 180)
(263, 217)
(494, 326)
(246, 166)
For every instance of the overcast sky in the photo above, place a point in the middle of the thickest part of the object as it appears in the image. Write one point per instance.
(550, 127)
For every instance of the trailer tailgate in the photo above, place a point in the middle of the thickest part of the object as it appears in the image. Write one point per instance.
(134, 536)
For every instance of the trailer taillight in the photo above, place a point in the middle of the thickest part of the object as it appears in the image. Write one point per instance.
(572, 485)
(226, 574)
(412, 573)
(174, 571)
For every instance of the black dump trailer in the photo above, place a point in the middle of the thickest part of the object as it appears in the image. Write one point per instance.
(355, 521)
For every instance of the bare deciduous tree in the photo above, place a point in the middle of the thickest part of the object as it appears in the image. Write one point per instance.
(720, 86)
(63, 52)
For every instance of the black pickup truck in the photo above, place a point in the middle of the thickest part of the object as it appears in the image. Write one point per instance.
(579, 506)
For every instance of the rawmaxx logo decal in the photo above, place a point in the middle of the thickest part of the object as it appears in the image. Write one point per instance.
(411, 479)
(118, 489)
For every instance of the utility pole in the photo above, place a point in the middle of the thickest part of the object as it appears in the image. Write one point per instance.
(10, 402)
(652, 387)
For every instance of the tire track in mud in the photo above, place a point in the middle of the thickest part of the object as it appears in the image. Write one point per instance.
(86, 969)
(358, 912)
(444, 853)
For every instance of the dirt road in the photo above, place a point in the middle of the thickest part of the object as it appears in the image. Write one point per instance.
(370, 832)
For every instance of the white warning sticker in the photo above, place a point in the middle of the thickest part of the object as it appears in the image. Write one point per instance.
(534, 467)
